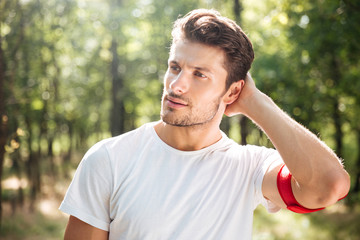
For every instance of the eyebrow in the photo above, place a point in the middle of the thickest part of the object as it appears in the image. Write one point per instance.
(205, 69)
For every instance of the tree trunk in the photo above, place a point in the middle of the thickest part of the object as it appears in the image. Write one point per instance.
(50, 157)
(3, 119)
(118, 109)
(48, 135)
(237, 10)
(225, 125)
(17, 169)
(338, 131)
(244, 129)
(243, 120)
(71, 142)
(67, 158)
(32, 163)
(336, 75)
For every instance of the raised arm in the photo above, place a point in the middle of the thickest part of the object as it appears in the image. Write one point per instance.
(79, 230)
(318, 177)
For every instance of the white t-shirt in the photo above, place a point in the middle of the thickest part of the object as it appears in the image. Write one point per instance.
(137, 187)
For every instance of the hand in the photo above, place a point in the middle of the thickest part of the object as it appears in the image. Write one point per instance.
(240, 106)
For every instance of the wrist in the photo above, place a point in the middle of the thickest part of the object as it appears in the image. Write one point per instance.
(256, 105)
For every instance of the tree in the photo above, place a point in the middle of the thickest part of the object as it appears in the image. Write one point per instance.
(3, 118)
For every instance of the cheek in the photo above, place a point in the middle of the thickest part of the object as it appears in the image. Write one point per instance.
(203, 94)
(205, 89)
(212, 95)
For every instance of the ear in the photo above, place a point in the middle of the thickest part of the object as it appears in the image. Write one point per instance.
(233, 92)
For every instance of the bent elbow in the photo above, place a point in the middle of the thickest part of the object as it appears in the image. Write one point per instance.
(336, 189)
(342, 186)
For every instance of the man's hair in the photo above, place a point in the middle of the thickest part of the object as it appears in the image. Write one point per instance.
(210, 28)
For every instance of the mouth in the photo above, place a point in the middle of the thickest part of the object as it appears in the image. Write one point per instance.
(175, 102)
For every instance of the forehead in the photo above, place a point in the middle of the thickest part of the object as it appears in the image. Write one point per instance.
(198, 55)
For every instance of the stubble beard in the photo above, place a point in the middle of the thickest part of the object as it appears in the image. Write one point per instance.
(192, 117)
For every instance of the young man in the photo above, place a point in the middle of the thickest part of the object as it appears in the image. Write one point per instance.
(181, 177)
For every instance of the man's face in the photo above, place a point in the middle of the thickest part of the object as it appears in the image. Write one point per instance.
(194, 84)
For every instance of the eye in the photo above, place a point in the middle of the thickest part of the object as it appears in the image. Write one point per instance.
(199, 74)
(174, 68)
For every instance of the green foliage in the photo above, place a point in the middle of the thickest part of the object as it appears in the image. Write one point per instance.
(306, 61)
(58, 56)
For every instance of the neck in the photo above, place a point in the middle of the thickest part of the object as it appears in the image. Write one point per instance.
(189, 138)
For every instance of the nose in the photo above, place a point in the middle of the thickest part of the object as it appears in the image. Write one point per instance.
(180, 83)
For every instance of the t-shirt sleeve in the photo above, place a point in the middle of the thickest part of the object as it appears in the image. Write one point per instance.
(88, 195)
(265, 158)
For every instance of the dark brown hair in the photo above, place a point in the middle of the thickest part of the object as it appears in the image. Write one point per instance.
(210, 28)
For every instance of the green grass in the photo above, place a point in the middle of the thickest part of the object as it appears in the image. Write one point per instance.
(334, 223)
(24, 225)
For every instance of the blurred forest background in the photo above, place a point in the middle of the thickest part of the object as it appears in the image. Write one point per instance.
(73, 72)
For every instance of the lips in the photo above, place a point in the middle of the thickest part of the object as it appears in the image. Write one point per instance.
(175, 102)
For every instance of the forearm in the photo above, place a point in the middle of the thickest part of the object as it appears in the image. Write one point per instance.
(315, 167)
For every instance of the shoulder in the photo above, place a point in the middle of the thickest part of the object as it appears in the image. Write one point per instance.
(250, 151)
(123, 141)
(118, 150)
(251, 156)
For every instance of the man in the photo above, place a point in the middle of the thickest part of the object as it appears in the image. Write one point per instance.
(181, 177)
